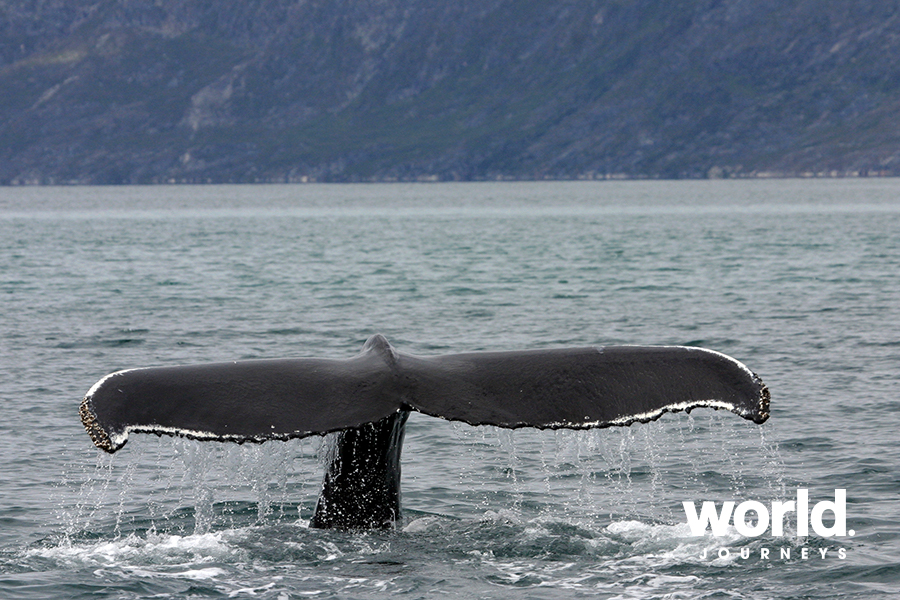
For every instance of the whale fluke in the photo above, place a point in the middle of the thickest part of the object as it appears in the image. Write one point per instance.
(260, 400)
(245, 401)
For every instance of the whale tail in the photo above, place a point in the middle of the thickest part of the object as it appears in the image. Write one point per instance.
(260, 400)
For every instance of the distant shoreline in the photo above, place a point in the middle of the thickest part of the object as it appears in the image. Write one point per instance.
(711, 176)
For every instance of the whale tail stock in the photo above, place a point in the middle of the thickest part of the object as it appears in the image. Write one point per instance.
(367, 399)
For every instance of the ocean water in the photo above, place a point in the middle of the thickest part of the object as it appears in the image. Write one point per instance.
(800, 280)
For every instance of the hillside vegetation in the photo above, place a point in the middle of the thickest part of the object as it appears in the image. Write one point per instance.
(137, 91)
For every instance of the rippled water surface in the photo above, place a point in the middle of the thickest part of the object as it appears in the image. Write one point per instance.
(798, 279)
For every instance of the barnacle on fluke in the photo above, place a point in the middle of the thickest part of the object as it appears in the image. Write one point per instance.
(97, 433)
(764, 398)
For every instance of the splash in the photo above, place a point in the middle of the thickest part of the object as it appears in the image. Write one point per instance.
(641, 472)
(188, 487)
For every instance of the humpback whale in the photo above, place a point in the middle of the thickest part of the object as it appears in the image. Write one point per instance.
(366, 399)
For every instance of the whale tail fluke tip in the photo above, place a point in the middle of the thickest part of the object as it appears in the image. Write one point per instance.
(92, 425)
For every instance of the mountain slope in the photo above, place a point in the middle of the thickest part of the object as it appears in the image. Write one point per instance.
(185, 90)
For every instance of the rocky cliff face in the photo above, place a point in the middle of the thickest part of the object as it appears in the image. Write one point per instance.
(115, 91)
